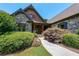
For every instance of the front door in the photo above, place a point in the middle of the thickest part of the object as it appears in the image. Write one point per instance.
(37, 28)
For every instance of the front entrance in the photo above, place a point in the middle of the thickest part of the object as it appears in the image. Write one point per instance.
(38, 28)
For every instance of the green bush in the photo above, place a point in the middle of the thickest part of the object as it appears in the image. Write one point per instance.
(71, 40)
(77, 31)
(7, 23)
(15, 41)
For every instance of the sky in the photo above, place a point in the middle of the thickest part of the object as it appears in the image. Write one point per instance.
(46, 10)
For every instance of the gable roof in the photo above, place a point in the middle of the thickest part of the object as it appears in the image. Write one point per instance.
(20, 11)
(32, 8)
(27, 8)
(72, 10)
(17, 11)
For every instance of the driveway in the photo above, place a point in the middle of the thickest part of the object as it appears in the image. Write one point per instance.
(57, 50)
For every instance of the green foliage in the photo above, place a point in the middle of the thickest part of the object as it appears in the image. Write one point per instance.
(71, 40)
(77, 31)
(7, 22)
(15, 41)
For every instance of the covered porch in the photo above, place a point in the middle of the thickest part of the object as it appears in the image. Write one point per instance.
(38, 27)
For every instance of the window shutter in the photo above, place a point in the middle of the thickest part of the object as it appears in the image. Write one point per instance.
(65, 25)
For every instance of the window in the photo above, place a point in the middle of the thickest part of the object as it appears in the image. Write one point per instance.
(63, 25)
(30, 15)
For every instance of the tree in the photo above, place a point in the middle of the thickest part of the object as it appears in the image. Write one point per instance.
(7, 23)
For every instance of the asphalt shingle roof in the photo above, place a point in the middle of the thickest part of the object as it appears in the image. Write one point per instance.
(72, 10)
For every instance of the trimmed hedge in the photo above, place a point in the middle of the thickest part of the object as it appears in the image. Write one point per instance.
(15, 41)
(71, 40)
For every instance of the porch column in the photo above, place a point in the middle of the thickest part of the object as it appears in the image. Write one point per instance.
(42, 28)
(32, 27)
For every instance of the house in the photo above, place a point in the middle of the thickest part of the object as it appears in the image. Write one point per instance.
(68, 19)
(28, 19)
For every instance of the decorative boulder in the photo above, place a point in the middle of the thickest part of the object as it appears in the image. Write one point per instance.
(36, 42)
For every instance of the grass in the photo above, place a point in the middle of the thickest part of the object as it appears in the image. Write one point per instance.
(34, 51)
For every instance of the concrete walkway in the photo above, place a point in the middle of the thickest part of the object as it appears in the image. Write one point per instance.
(57, 50)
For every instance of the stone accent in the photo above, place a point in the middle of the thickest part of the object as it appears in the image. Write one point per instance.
(22, 19)
(72, 23)
(36, 42)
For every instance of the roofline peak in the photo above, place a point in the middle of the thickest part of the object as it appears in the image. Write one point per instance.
(29, 7)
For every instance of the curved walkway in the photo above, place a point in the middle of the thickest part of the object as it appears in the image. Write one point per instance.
(57, 50)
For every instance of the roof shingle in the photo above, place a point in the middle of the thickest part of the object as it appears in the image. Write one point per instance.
(72, 10)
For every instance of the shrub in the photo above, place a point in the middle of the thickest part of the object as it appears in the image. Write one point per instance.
(71, 40)
(54, 34)
(15, 41)
(77, 31)
(7, 23)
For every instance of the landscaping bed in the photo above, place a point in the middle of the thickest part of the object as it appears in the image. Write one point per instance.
(63, 38)
(71, 42)
(21, 44)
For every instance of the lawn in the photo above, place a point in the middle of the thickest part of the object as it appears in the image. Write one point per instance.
(34, 51)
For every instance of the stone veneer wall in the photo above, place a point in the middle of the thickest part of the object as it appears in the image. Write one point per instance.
(73, 23)
(21, 18)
